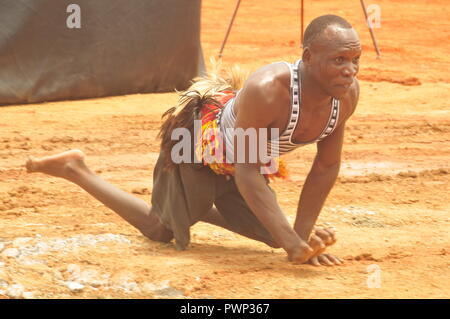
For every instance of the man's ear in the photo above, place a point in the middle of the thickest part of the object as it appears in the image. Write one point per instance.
(306, 56)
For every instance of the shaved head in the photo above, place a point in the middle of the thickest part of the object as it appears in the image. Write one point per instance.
(318, 26)
(331, 52)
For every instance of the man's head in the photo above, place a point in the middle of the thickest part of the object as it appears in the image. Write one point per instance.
(331, 52)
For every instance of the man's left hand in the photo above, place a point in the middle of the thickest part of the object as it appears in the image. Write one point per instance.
(325, 259)
(328, 237)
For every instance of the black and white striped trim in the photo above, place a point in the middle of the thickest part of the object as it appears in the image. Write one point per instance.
(284, 143)
(332, 122)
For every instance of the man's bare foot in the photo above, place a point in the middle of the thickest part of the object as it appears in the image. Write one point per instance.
(59, 165)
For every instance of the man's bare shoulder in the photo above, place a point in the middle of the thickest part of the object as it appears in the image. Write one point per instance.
(271, 76)
(268, 85)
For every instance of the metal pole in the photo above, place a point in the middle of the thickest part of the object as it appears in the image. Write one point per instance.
(370, 29)
(301, 23)
(229, 28)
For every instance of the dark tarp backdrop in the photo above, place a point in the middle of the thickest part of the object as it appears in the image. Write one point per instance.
(103, 48)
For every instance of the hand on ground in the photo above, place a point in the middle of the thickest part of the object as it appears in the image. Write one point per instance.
(326, 260)
(326, 237)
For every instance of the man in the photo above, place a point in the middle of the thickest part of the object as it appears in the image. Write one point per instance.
(308, 102)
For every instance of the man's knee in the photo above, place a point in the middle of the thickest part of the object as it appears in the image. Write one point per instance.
(154, 229)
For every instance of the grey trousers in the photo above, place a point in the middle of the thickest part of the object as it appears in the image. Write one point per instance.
(182, 196)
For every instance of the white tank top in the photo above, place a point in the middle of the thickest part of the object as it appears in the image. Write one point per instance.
(283, 144)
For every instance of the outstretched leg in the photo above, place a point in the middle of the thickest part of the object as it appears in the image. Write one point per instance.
(71, 166)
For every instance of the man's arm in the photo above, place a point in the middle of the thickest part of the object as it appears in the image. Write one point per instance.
(319, 182)
(253, 188)
(323, 173)
(257, 109)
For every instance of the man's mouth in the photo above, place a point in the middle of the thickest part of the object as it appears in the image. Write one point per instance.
(345, 85)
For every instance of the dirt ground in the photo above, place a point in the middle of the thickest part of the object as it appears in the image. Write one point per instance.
(390, 204)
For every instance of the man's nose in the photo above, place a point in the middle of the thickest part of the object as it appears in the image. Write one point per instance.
(349, 70)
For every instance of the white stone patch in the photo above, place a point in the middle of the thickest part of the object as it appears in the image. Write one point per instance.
(21, 241)
(355, 168)
(125, 282)
(15, 291)
(11, 253)
(25, 248)
(352, 210)
(152, 287)
(37, 246)
(89, 277)
(31, 262)
(74, 270)
(162, 289)
(74, 286)
(3, 284)
(29, 295)
(358, 216)
(57, 274)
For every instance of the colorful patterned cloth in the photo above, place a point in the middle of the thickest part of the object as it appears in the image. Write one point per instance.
(212, 149)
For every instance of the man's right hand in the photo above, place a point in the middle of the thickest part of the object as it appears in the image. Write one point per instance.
(305, 251)
(313, 251)
(328, 237)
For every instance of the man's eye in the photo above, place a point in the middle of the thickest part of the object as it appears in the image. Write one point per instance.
(339, 60)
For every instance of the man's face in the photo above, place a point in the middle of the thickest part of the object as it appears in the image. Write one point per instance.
(334, 60)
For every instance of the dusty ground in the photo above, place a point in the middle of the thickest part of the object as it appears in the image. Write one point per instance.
(390, 205)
